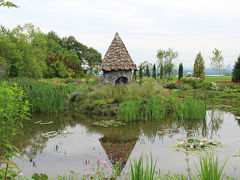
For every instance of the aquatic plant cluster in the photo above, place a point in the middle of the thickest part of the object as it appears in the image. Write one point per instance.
(157, 108)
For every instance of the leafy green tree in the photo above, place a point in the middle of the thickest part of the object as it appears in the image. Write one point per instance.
(180, 71)
(154, 74)
(140, 72)
(236, 71)
(166, 58)
(199, 67)
(147, 71)
(7, 4)
(217, 61)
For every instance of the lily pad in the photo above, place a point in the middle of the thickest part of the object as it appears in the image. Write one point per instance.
(53, 134)
(195, 146)
(43, 123)
(169, 131)
(111, 123)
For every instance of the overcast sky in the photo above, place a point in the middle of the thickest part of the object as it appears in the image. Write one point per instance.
(187, 26)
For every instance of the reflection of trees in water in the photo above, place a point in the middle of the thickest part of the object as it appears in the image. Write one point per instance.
(215, 121)
(31, 143)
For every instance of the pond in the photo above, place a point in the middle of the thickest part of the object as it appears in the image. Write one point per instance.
(87, 143)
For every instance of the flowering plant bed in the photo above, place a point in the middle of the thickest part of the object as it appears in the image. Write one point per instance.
(195, 145)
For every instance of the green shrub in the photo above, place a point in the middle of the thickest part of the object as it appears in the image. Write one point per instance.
(14, 108)
(204, 86)
(173, 86)
(185, 86)
(191, 80)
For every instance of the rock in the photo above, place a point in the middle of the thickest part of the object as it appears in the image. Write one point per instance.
(75, 95)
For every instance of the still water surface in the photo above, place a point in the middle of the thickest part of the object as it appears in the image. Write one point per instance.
(57, 156)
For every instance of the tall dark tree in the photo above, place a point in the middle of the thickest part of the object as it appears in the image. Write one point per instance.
(161, 71)
(180, 71)
(236, 71)
(147, 71)
(154, 74)
(135, 74)
(140, 72)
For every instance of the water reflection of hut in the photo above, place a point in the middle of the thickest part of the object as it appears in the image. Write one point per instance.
(117, 64)
(118, 150)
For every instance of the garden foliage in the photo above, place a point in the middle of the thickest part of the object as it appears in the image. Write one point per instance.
(199, 67)
(236, 71)
(14, 108)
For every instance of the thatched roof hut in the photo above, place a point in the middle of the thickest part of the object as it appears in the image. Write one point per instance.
(117, 65)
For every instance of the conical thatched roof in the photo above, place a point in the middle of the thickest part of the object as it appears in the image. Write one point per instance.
(117, 57)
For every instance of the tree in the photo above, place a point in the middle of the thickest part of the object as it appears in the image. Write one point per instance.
(154, 74)
(7, 4)
(236, 71)
(199, 68)
(217, 61)
(180, 71)
(135, 74)
(166, 58)
(147, 71)
(140, 72)
(161, 71)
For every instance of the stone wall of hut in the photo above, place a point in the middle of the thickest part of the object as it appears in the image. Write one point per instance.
(112, 76)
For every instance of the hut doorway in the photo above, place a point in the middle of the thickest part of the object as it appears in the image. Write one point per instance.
(122, 80)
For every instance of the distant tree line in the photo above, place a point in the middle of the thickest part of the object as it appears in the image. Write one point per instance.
(27, 52)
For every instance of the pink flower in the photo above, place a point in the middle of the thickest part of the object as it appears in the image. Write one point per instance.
(98, 173)
(110, 154)
(85, 154)
(99, 160)
(163, 130)
(110, 166)
(85, 169)
(21, 174)
(88, 162)
(104, 163)
(120, 158)
(100, 153)
(88, 175)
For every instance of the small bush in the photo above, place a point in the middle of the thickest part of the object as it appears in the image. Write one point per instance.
(173, 86)
(193, 81)
(204, 86)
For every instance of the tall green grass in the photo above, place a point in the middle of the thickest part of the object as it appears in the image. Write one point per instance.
(153, 108)
(157, 108)
(189, 108)
(210, 167)
(140, 172)
(45, 96)
(130, 110)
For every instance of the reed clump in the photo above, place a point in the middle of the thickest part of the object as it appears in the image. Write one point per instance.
(45, 96)
(189, 108)
(210, 167)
